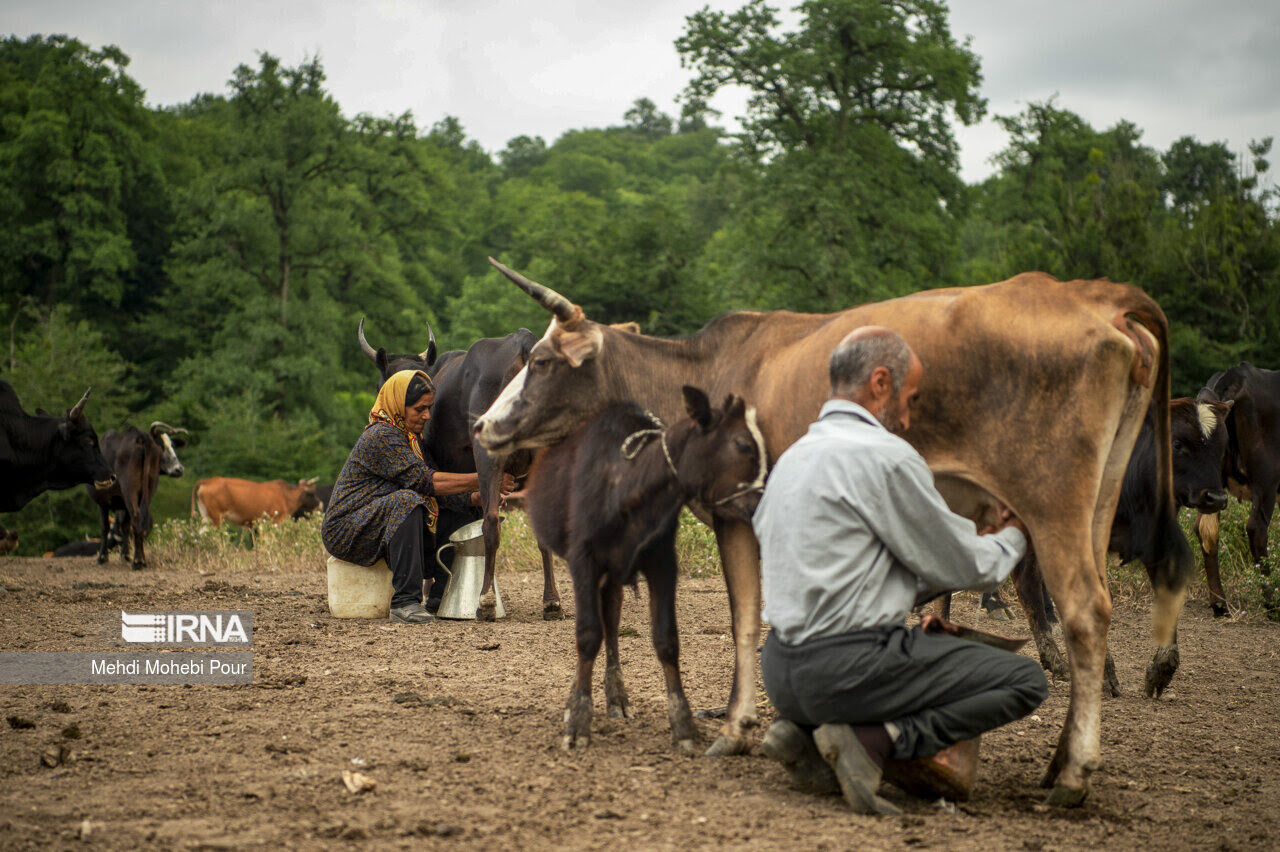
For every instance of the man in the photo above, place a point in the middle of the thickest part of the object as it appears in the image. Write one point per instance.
(852, 534)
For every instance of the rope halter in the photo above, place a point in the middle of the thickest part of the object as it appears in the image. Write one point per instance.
(634, 443)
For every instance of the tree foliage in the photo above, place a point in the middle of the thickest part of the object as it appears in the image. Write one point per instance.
(207, 264)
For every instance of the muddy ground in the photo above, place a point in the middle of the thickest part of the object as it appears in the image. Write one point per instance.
(472, 758)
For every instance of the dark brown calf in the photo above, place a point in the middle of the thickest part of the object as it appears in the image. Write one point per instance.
(608, 499)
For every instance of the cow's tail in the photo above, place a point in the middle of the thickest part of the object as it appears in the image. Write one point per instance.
(197, 503)
(1170, 563)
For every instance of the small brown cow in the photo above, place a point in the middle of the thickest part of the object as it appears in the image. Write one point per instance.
(242, 501)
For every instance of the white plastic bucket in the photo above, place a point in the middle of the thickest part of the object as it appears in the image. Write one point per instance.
(359, 591)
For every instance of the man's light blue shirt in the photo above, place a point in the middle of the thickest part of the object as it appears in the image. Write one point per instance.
(852, 530)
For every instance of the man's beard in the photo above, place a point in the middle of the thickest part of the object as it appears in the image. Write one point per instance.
(890, 416)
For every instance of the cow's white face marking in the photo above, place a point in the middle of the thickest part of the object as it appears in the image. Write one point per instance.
(169, 464)
(1208, 418)
(506, 401)
(501, 408)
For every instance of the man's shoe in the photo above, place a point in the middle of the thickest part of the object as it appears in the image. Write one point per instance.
(414, 613)
(845, 749)
(791, 746)
(949, 774)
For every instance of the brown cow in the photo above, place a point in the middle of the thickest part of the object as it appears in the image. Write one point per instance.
(8, 541)
(242, 501)
(1033, 395)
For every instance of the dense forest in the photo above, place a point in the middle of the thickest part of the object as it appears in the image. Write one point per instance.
(206, 264)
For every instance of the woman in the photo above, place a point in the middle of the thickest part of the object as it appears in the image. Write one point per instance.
(386, 500)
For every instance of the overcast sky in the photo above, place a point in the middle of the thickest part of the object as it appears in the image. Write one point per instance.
(512, 67)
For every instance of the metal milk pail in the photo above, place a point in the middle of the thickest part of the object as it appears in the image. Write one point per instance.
(462, 594)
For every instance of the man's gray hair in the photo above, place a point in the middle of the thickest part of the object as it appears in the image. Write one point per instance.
(853, 361)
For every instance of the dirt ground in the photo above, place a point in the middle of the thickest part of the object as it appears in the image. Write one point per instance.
(459, 725)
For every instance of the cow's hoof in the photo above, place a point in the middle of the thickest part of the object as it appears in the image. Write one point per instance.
(1220, 610)
(102, 560)
(551, 611)
(687, 746)
(138, 566)
(725, 747)
(999, 614)
(713, 712)
(1110, 689)
(487, 610)
(1161, 671)
(1067, 797)
(571, 743)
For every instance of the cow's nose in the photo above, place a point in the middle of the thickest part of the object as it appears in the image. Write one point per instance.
(1211, 500)
(479, 426)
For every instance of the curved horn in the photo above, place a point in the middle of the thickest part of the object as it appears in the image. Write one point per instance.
(364, 344)
(564, 310)
(429, 354)
(165, 427)
(77, 411)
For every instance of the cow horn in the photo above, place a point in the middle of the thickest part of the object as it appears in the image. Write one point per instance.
(77, 410)
(364, 344)
(564, 310)
(165, 427)
(429, 354)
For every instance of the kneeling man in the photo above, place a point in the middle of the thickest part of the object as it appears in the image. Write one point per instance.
(852, 534)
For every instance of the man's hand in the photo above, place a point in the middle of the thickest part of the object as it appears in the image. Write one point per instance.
(508, 484)
(931, 622)
(1004, 518)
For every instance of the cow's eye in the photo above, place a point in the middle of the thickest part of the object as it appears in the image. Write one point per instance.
(1178, 447)
(744, 446)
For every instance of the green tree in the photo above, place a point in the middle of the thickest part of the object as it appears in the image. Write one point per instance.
(848, 130)
(84, 218)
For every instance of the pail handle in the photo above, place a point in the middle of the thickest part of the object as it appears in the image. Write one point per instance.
(438, 562)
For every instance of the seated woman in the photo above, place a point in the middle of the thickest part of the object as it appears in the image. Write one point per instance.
(386, 500)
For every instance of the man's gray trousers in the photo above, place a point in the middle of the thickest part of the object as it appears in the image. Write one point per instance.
(936, 688)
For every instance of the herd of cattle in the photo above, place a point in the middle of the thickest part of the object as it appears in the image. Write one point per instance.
(1049, 397)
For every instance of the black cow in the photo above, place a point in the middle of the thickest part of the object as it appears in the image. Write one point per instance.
(608, 499)
(467, 382)
(137, 459)
(88, 546)
(1199, 436)
(39, 452)
(1250, 471)
(391, 363)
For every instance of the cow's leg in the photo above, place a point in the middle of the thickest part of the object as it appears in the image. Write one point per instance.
(740, 558)
(1207, 532)
(615, 692)
(139, 525)
(104, 516)
(1031, 592)
(489, 469)
(944, 606)
(995, 607)
(124, 529)
(1264, 503)
(551, 610)
(1084, 605)
(589, 631)
(666, 644)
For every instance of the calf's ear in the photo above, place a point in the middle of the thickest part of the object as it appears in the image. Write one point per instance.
(697, 405)
(380, 358)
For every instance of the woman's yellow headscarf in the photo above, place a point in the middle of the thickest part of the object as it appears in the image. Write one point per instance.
(389, 407)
